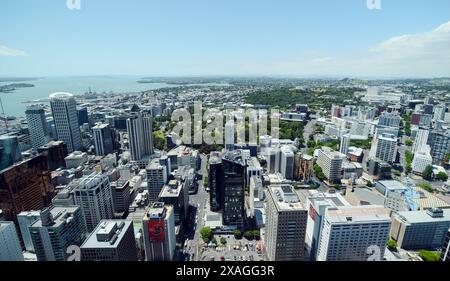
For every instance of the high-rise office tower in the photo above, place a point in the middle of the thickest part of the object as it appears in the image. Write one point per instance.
(140, 135)
(215, 181)
(56, 230)
(389, 119)
(111, 240)
(10, 249)
(384, 148)
(331, 163)
(156, 179)
(348, 232)
(158, 227)
(229, 135)
(37, 126)
(439, 141)
(25, 187)
(82, 115)
(317, 203)
(25, 220)
(9, 151)
(234, 188)
(94, 195)
(64, 110)
(345, 144)
(56, 152)
(103, 139)
(286, 224)
(176, 195)
(421, 139)
(287, 162)
(438, 113)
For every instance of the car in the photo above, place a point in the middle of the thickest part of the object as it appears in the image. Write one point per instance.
(222, 258)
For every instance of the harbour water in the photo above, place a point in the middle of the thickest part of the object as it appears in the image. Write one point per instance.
(14, 103)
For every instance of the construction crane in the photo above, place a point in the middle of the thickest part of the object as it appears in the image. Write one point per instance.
(4, 115)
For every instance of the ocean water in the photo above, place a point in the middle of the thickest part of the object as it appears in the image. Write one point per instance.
(14, 103)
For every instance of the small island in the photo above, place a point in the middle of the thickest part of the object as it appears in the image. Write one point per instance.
(14, 86)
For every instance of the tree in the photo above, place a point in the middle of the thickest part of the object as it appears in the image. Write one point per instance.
(428, 172)
(319, 173)
(237, 234)
(369, 184)
(429, 255)
(223, 240)
(159, 141)
(426, 186)
(257, 234)
(248, 235)
(206, 233)
(442, 176)
(409, 142)
(214, 240)
(392, 244)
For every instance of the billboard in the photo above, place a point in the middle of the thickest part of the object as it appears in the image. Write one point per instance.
(156, 231)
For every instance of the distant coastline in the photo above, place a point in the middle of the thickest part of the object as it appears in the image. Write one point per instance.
(14, 86)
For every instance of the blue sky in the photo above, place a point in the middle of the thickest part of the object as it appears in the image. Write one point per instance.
(406, 38)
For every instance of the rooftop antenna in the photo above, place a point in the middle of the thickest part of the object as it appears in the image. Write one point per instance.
(4, 115)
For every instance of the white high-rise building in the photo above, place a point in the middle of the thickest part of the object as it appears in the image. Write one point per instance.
(158, 227)
(94, 196)
(37, 126)
(384, 148)
(25, 219)
(64, 110)
(285, 224)
(345, 144)
(354, 233)
(317, 203)
(156, 178)
(331, 163)
(439, 113)
(229, 135)
(10, 249)
(287, 162)
(421, 139)
(422, 159)
(112, 240)
(140, 135)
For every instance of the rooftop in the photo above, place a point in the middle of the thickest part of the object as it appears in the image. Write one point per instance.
(422, 216)
(358, 214)
(285, 197)
(107, 234)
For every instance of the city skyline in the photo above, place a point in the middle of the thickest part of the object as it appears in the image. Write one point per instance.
(405, 39)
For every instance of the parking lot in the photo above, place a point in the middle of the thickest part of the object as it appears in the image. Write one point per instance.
(233, 250)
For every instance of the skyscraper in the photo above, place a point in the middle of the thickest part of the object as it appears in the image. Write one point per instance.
(55, 152)
(25, 187)
(9, 151)
(64, 110)
(345, 143)
(234, 188)
(111, 240)
(56, 230)
(10, 249)
(389, 119)
(384, 148)
(229, 135)
(331, 163)
(94, 196)
(156, 179)
(215, 181)
(287, 162)
(158, 227)
(439, 141)
(140, 135)
(286, 224)
(103, 139)
(37, 126)
(348, 232)
(25, 220)
(421, 139)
